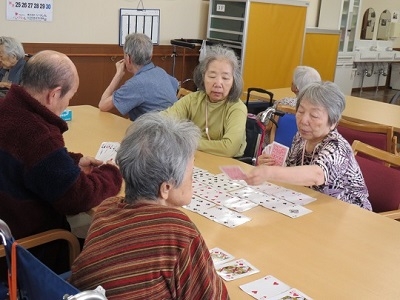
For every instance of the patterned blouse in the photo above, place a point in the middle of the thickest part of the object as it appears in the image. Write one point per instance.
(343, 177)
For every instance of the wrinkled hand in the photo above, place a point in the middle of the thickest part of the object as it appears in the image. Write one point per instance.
(257, 175)
(87, 164)
(120, 66)
(265, 159)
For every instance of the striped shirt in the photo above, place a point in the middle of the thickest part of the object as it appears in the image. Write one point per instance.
(146, 251)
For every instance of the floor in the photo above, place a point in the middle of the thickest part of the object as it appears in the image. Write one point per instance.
(383, 95)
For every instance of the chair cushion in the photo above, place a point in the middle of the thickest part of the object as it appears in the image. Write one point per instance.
(382, 183)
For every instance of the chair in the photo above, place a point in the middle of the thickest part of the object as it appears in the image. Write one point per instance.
(286, 126)
(28, 277)
(255, 107)
(395, 99)
(379, 136)
(382, 180)
(182, 92)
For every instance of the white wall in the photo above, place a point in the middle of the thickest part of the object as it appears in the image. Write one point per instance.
(97, 21)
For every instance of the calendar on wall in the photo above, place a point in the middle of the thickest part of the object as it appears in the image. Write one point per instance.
(145, 21)
(30, 10)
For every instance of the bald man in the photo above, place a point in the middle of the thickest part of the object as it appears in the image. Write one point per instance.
(40, 181)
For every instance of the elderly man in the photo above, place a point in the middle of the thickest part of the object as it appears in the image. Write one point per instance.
(149, 89)
(40, 181)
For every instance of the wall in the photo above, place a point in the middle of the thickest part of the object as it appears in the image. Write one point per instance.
(97, 22)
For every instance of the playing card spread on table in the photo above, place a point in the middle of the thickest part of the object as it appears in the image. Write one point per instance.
(236, 269)
(107, 151)
(212, 194)
(292, 294)
(269, 188)
(265, 288)
(279, 153)
(295, 197)
(198, 204)
(293, 211)
(222, 182)
(250, 194)
(225, 216)
(234, 172)
(239, 205)
(220, 256)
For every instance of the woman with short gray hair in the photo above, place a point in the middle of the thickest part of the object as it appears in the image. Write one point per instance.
(319, 156)
(12, 61)
(141, 246)
(216, 107)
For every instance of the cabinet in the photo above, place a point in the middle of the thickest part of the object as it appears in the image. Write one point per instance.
(268, 37)
(342, 15)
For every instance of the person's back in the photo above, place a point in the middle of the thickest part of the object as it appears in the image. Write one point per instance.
(141, 246)
(41, 181)
(149, 89)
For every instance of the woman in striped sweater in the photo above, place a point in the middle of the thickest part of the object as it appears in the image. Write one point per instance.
(141, 246)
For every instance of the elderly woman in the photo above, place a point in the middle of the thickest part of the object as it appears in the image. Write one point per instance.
(319, 156)
(141, 246)
(12, 60)
(216, 108)
(302, 76)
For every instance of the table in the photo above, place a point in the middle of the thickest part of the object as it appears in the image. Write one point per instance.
(339, 251)
(357, 109)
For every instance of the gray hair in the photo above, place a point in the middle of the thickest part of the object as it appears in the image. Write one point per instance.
(304, 75)
(219, 52)
(12, 47)
(139, 47)
(47, 70)
(156, 149)
(326, 94)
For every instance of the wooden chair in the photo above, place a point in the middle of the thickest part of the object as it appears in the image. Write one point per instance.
(379, 136)
(286, 127)
(183, 92)
(382, 180)
(50, 236)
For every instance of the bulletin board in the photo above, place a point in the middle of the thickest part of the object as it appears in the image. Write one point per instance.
(145, 21)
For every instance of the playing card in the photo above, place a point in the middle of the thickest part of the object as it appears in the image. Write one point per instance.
(239, 205)
(234, 172)
(222, 182)
(220, 256)
(236, 269)
(292, 294)
(295, 197)
(279, 153)
(198, 204)
(225, 216)
(107, 151)
(250, 194)
(293, 211)
(274, 203)
(269, 188)
(265, 288)
(211, 194)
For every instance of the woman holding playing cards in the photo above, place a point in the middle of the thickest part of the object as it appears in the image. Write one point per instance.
(319, 156)
(142, 246)
(216, 108)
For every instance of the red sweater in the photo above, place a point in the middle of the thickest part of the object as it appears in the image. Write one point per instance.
(40, 182)
(146, 251)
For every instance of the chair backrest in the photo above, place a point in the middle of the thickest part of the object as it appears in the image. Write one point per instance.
(183, 92)
(379, 136)
(380, 176)
(29, 277)
(286, 127)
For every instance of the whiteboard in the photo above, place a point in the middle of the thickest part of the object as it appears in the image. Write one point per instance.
(145, 21)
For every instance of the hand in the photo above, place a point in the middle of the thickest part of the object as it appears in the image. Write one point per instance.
(87, 164)
(265, 159)
(120, 66)
(257, 175)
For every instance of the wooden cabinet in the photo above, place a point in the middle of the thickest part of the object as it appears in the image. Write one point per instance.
(268, 37)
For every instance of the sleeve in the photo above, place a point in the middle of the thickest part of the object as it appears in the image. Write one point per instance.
(234, 137)
(71, 191)
(75, 157)
(180, 109)
(195, 273)
(128, 96)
